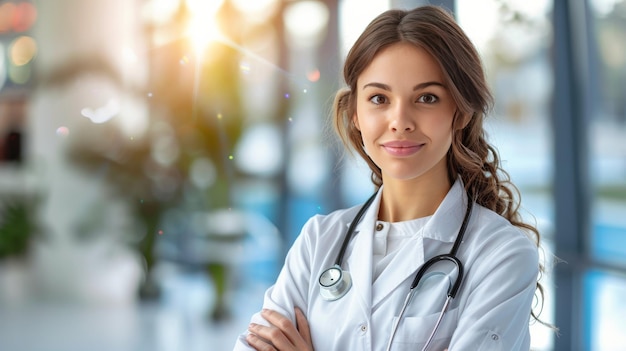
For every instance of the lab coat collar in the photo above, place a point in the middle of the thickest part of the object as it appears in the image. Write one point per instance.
(447, 219)
(443, 226)
(445, 222)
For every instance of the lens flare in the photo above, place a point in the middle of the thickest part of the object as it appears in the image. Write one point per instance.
(313, 75)
(63, 131)
(203, 27)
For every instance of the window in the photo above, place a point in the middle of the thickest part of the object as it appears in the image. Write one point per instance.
(514, 38)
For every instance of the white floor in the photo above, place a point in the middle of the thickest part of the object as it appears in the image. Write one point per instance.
(55, 327)
(179, 321)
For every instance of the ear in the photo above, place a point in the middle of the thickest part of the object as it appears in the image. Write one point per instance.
(355, 120)
(464, 120)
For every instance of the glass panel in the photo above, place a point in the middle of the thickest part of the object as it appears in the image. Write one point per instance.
(514, 39)
(608, 128)
(605, 310)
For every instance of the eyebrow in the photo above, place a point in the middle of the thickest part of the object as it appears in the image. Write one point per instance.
(417, 87)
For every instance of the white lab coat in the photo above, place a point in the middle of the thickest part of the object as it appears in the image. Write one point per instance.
(491, 311)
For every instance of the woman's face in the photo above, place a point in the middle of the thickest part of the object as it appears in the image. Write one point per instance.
(404, 112)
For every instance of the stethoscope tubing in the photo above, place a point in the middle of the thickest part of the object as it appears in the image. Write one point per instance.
(444, 257)
(394, 329)
(441, 314)
(351, 229)
(451, 256)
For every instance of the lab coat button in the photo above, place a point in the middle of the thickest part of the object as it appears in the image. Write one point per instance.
(494, 337)
(379, 227)
(364, 328)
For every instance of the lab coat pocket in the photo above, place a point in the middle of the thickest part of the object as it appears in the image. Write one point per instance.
(416, 330)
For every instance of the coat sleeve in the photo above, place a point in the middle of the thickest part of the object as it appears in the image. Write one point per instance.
(501, 289)
(291, 287)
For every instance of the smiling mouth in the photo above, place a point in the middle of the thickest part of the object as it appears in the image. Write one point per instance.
(403, 150)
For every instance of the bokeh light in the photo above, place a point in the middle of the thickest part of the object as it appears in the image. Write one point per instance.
(7, 11)
(164, 149)
(202, 173)
(17, 17)
(603, 7)
(20, 74)
(160, 11)
(306, 22)
(24, 16)
(203, 27)
(22, 50)
(256, 11)
(102, 114)
(62, 131)
(354, 17)
(307, 169)
(259, 151)
(313, 75)
(244, 67)
(203, 7)
(134, 117)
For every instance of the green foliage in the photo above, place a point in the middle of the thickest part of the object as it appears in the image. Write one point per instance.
(17, 226)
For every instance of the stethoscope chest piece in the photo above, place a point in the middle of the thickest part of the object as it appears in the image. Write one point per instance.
(334, 283)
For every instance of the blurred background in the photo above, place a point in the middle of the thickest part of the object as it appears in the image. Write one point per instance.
(158, 158)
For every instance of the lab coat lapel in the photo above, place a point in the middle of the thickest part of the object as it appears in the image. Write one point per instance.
(440, 229)
(440, 232)
(399, 269)
(360, 259)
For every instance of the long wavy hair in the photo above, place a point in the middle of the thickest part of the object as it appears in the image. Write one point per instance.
(470, 156)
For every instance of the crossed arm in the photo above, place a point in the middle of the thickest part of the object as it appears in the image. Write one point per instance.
(281, 334)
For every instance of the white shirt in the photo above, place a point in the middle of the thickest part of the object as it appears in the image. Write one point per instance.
(389, 238)
(491, 310)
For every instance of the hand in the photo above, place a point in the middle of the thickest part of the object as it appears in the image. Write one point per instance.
(281, 335)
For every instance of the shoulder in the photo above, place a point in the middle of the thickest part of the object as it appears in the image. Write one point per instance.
(322, 225)
(497, 252)
(493, 237)
(323, 231)
(500, 230)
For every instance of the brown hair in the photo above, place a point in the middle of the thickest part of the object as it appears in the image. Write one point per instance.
(470, 156)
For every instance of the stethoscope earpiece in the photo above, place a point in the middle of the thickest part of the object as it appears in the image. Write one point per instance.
(334, 283)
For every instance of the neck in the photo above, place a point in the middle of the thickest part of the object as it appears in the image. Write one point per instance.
(403, 201)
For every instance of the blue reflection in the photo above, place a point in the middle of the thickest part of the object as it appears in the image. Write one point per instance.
(604, 311)
(608, 243)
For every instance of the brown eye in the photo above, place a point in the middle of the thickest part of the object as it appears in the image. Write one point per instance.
(378, 99)
(428, 99)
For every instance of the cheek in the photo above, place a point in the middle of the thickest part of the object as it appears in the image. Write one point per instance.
(441, 129)
(370, 121)
(368, 130)
(366, 134)
(449, 138)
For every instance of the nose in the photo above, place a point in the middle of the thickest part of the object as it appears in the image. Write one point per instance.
(401, 119)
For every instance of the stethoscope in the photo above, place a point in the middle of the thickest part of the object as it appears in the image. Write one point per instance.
(335, 282)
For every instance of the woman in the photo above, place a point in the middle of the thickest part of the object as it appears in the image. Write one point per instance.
(414, 110)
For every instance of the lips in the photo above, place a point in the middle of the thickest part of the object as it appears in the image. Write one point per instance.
(402, 147)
